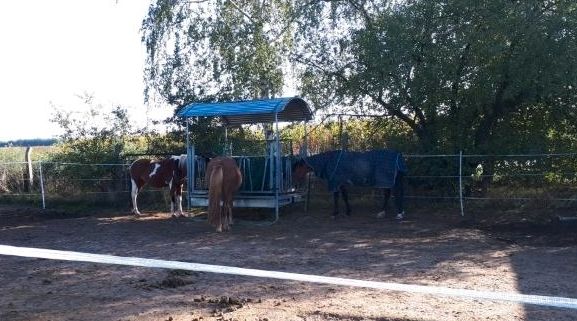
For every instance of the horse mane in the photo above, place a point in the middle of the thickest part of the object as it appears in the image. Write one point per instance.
(318, 162)
(298, 162)
(180, 161)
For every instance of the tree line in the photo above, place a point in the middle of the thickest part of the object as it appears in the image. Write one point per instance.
(478, 76)
(486, 76)
(29, 142)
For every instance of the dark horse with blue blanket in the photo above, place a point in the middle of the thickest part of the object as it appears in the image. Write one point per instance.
(382, 169)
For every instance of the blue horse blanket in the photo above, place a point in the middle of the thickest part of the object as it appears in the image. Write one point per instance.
(374, 168)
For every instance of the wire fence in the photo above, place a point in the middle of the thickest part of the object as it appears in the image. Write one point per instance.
(466, 185)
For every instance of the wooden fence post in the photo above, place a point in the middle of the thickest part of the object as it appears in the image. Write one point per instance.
(30, 178)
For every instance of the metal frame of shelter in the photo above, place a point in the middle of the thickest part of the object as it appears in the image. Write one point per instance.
(263, 111)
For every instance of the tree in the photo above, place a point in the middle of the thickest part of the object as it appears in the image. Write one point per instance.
(459, 73)
(480, 76)
(209, 50)
(91, 138)
(96, 135)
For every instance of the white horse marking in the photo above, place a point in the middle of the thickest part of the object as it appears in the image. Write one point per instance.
(134, 194)
(156, 167)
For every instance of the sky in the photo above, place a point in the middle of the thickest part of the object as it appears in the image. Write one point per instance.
(52, 51)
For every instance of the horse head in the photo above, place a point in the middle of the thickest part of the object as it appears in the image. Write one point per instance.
(300, 169)
(179, 167)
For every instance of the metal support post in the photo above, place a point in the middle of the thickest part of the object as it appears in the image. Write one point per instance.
(278, 167)
(461, 182)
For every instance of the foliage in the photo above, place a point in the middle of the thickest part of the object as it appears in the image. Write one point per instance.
(479, 76)
(192, 49)
(217, 50)
(28, 142)
(352, 134)
(470, 75)
(13, 169)
(94, 135)
(17, 154)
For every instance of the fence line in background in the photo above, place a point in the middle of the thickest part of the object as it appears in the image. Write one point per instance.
(459, 195)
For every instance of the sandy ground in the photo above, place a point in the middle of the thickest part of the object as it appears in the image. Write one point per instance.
(421, 250)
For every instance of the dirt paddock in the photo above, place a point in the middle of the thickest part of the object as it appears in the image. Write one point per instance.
(421, 250)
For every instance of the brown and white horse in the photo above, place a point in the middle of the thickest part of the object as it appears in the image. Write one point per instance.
(169, 172)
(224, 179)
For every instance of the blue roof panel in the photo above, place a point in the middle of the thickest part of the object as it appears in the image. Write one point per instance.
(251, 111)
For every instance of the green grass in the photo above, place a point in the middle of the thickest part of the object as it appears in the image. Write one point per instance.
(17, 154)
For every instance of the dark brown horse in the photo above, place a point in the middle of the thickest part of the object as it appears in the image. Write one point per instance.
(383, 169)
(169, 172)
(224, 179)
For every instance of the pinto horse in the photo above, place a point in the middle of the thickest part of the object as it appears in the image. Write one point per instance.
(224, 179)
(169, 172)
(383, 169)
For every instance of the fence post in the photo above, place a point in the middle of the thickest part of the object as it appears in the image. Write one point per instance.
(461, 182)
(30, 179)
(42, 185)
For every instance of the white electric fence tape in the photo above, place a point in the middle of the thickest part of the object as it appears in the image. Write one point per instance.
(551, 301)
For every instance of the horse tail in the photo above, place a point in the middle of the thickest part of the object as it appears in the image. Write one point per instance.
(130, 205)
(215, 195)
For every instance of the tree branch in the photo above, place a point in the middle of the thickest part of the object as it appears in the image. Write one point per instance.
(364, 13)
(242, 11)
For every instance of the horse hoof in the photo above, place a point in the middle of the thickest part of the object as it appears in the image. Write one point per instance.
(400, 216)
(381, 214)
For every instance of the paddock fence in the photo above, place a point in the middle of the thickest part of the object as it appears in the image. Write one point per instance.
(522, 185)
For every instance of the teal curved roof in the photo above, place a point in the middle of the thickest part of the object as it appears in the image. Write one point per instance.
(251, 111)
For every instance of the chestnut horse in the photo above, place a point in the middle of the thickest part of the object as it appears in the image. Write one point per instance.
(169, 172)
(224, 179)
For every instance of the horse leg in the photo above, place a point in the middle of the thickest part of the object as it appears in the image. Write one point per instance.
(229, 204)
(386, 196)
(336, 204)
(133, 196)
(346, 199)
(228, 215)
(223, 224)
(175, 199)
(178, 193)
(224, 218)
(399, 192)
(172, 192)
(180, 205)
(172, 203)
(218, 218)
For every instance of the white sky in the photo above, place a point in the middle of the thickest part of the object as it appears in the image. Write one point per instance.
(54, 50)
